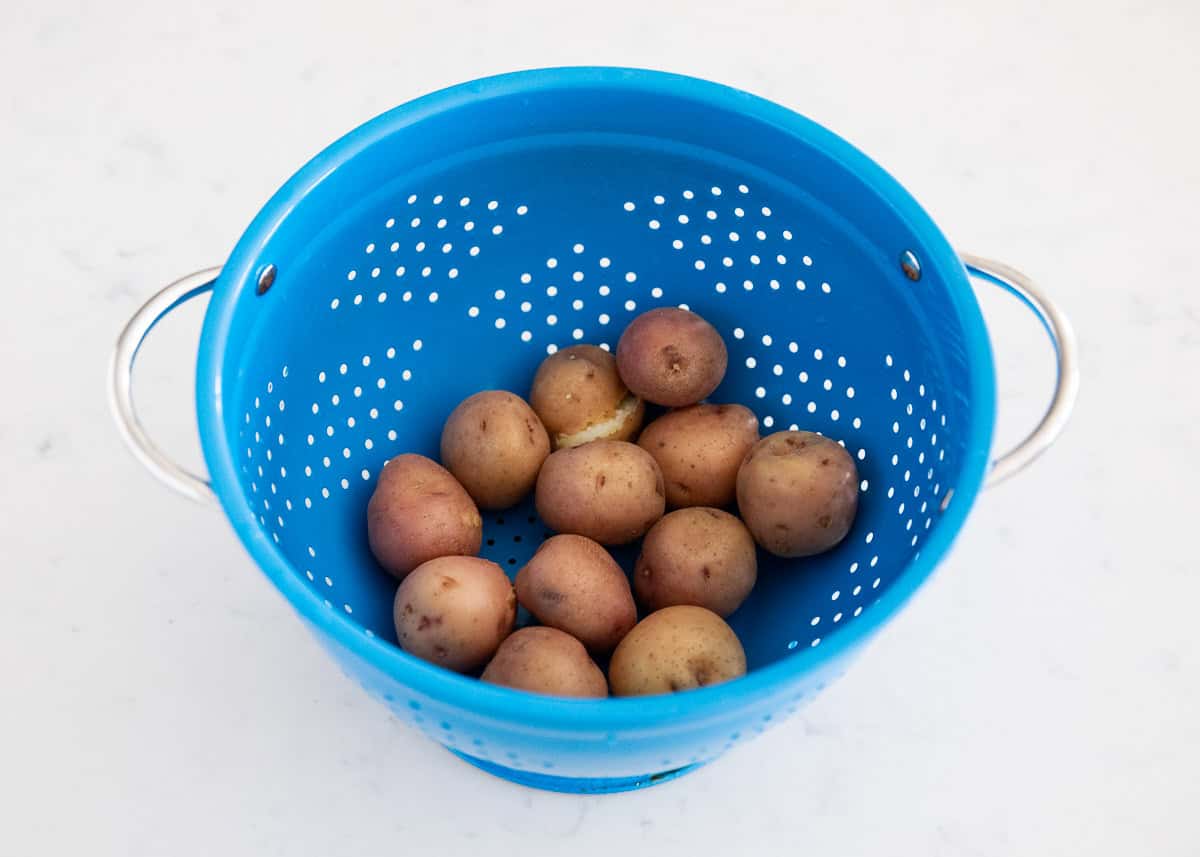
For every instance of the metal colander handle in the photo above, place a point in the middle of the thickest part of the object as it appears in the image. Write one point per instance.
(1066, 388)
(120, 385)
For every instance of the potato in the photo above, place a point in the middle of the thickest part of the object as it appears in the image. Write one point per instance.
(579, 397)
(455, 611)
(418, 512)
(607, 490)
(671, 357)
(546, 660)
(798, 493)
(573, 584)
(676, 648)
(698, 556)
(699, 450)
(494, 444)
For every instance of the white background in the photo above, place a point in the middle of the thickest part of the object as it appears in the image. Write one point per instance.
(1042, 696)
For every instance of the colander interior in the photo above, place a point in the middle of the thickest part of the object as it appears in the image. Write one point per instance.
(452, 248)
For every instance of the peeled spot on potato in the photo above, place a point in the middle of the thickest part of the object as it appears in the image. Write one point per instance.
(674, 649)
(610, 491)
(579, 397)
(699, 450)
(454, 611)
(494, 444)
(546, 660)
(417, 512)
(699, 556)
(798, 493)
(671, 356)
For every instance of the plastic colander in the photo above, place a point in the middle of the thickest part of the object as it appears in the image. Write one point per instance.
(449, 245)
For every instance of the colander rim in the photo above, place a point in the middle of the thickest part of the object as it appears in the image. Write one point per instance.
(518, 709)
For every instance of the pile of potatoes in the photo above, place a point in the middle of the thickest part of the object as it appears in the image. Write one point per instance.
(573, 445)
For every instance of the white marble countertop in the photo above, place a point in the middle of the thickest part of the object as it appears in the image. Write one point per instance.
(1042, 696)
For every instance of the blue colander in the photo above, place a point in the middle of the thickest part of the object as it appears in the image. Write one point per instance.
(449, 245)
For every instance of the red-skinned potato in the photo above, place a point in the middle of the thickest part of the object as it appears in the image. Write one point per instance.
(671, 357)
(418, 512)
(608, 490)
(798, 493)
(699, 450)
(572, 583)
(455, 611)
(699, 556)
(580, 397)
(494, 444)
(546, 660)
(673, 649)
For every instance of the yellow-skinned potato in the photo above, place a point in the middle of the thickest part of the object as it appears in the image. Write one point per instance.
(418, 512)
(673, 649)
(699, 450)
(611, 491)
(455, 611)
(699, 556)
(573, 584)
(546, 660)
(798, 493)
(580, 397)
(671, 357)
(494, 444)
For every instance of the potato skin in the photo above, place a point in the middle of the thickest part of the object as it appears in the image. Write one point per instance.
(419, 511)
(698, 556)
(494, 444)
(455, 611)
(573, 584)
(546, 660)
(798, 493)
(676, 648)
(699, 450)
(577, 389)
(671, 357)
(608, 490)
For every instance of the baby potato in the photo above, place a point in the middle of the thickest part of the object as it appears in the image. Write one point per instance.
(546, 660)
(699, 450)
(671, 357)
(494, 444)
(607, 490)
(676, 648)
(798, 493)
(573, 584)
(698, 556)
(580, 397)
(454, 611)
(417, 512)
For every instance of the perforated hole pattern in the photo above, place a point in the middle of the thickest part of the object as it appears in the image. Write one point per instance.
(353, 416)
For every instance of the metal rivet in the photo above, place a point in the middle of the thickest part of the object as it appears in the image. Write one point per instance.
(911, 265)
(266, 278)
(946, 499)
